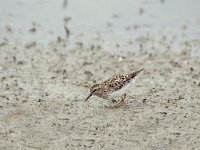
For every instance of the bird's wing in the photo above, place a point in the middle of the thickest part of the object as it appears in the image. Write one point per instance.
(115, 83)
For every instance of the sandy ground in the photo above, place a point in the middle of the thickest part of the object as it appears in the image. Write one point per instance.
(43, 85)
(43, 89)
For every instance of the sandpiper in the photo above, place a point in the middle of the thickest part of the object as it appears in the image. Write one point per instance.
(113, 87)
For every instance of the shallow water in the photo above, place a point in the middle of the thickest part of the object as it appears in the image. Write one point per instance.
(112, 25)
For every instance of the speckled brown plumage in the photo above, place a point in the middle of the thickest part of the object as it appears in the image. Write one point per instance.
(112, 85)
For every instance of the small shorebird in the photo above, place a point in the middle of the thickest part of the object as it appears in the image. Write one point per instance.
(113, 87)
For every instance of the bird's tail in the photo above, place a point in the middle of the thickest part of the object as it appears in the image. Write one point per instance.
(136, 73)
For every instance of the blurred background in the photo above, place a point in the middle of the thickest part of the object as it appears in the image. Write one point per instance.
(113, 25)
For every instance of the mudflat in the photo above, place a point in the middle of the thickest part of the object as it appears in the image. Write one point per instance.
(42, 94)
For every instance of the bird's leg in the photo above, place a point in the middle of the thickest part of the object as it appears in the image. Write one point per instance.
(120, 103)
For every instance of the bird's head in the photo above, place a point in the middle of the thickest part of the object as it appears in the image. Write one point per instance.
(93, 90)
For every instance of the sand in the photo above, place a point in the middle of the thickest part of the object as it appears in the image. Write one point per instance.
(43, 90)
(46, 72)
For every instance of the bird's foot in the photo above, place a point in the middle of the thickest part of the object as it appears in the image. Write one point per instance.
(119, 103)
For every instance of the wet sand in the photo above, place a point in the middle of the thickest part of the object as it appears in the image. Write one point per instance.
(42, 99)
(45, 74)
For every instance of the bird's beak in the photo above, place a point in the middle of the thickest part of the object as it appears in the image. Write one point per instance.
(88, 97)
